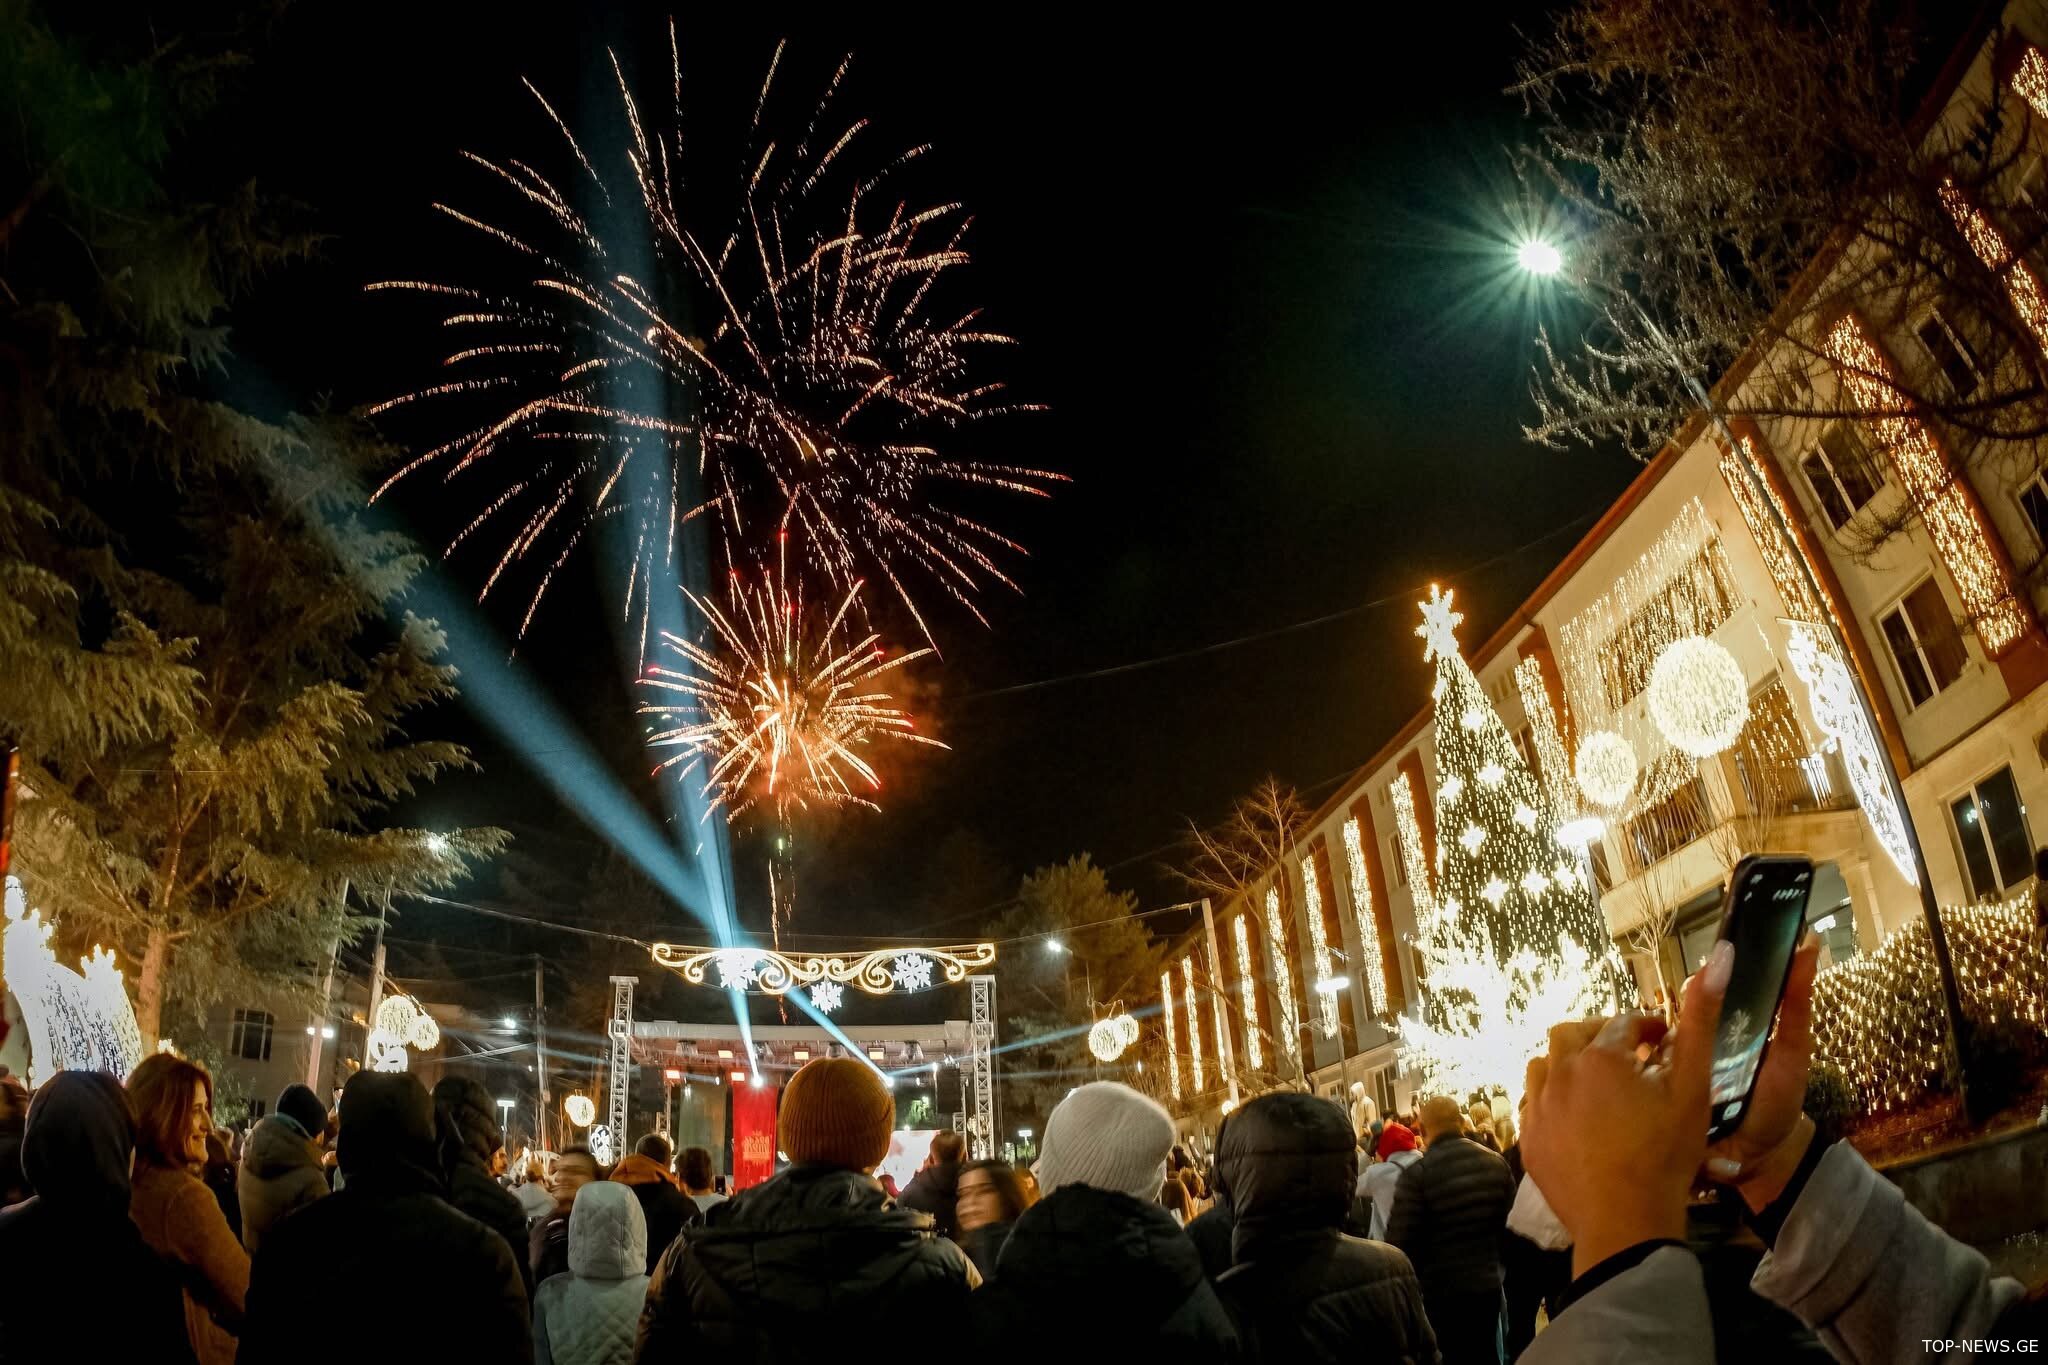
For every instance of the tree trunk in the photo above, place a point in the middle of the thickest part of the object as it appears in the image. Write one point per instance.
(149, 988)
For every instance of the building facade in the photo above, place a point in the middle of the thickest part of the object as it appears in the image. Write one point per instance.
(1942, 619)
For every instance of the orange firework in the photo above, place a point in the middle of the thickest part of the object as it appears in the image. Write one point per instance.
(783, 369)
(781, 710)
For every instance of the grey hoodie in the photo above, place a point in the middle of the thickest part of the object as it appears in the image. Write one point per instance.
(280, 1172)
(1854, 1261)
(590, 1315)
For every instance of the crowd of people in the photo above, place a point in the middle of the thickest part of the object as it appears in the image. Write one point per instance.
(390, 1230)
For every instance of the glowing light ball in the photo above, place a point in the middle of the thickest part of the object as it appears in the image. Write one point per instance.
(1605, 768)
(1698, 696)
(1108, 1039)
(580, 1110)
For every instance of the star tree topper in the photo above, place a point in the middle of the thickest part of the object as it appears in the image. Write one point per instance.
(1439, 628)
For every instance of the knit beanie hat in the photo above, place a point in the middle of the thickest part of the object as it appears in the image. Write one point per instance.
(1109, 1136)
(836, 1112)
(1395, 1137)
(299, 1104)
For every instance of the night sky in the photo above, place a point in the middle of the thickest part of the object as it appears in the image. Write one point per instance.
(1256, 275)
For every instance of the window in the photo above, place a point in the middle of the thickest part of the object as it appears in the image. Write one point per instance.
(1924, 643)
(2034, 503)
(1396, 868)
(2033, 193)
(1525, 745)
(1841, 475)
(1949, 352)
(1991, 825)
(249, 1035)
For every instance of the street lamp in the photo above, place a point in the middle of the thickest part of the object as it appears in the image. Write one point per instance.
(1539, 257)
(1545, 259)
(504, 1115)
(1332, 985)
(1055, 947)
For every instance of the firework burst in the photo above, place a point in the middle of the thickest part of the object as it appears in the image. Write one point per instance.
(784, 367)
(780, 704)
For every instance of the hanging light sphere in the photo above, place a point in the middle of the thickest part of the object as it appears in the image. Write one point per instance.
(1108, 1039)
(1605, 768)
(580, 1110)
(1698, 696)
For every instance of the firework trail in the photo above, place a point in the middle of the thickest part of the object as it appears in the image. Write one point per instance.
(789, 369)
(779, 704)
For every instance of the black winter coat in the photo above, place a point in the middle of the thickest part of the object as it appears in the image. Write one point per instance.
(1450, 1214)
(1299, 1288)
(778, 1272)
(466, 1128)
(934, 1190)
(1109, 1276)
(1210, 1232)
(385, 1270)
(76, 1280)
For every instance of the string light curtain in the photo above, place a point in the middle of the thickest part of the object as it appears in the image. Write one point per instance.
(1248, 993)
(1187, 976)
(1166, 1019)
(1681, 586)
(1318, 943)
(1283, 976)
(1408, 834)
(1217, 1002)
(1954, 521)
(2022, 286)
(1374, 966)
(1549, 738)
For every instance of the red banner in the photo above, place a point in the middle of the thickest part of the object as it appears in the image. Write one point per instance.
(753, 1133)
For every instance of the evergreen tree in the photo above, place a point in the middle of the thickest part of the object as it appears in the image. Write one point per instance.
(1516, 941)
(192, 615)
(1105, 952)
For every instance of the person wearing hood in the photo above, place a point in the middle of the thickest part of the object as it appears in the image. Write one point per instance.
(435, 1285)
(590, 1315)
(816, 1253)
(178, 1215)
(1096, 1259)
(665, 1207)
(72, 1252)
(1378, 1182)
(281, 1165)
(1298, 1288)
(466, 1129)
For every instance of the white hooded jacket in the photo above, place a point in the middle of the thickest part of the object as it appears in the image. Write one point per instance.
(589, 1316)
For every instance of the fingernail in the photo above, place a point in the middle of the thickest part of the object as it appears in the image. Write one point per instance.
(1721, 1168)
(1720, 965)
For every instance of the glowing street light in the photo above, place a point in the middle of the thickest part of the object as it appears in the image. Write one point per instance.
(1332, 985)
(1539, 257)
(437, 844)
(1055, 947)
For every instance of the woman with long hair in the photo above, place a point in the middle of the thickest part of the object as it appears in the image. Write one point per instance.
(178, 1216)
(989, 1200)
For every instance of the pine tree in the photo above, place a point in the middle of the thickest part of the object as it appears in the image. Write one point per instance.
(1517, 941)
(193, 629)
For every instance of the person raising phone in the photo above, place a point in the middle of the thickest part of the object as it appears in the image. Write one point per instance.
(1614, 1145)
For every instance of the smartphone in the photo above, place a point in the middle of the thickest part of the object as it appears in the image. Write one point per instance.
(1763, 916)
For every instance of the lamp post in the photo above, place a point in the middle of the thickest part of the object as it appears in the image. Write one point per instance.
(1545, 259)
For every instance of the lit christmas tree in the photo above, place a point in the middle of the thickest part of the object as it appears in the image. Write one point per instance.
(1517, 941)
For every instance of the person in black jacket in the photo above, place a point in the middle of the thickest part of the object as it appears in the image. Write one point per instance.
(817, 1254)
(991, 1199)
(1096, 1262)
(431, 1285)
(1299, 1289)
(936, 1188)
(466, 1126)
(1450, 1213)
(1530, 1276)
(666, 1208)
(79, 1283)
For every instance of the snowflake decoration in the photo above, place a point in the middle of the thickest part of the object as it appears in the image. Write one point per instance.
(825, 996)
(736, 971)
(1535, 883)
(1447, 791)
(1525, 815)
(1493, 891)
(1472, 838)
(911, 972)
(1493, 775)
(1474, 719)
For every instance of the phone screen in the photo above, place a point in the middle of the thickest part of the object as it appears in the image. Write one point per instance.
(1766, 912)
